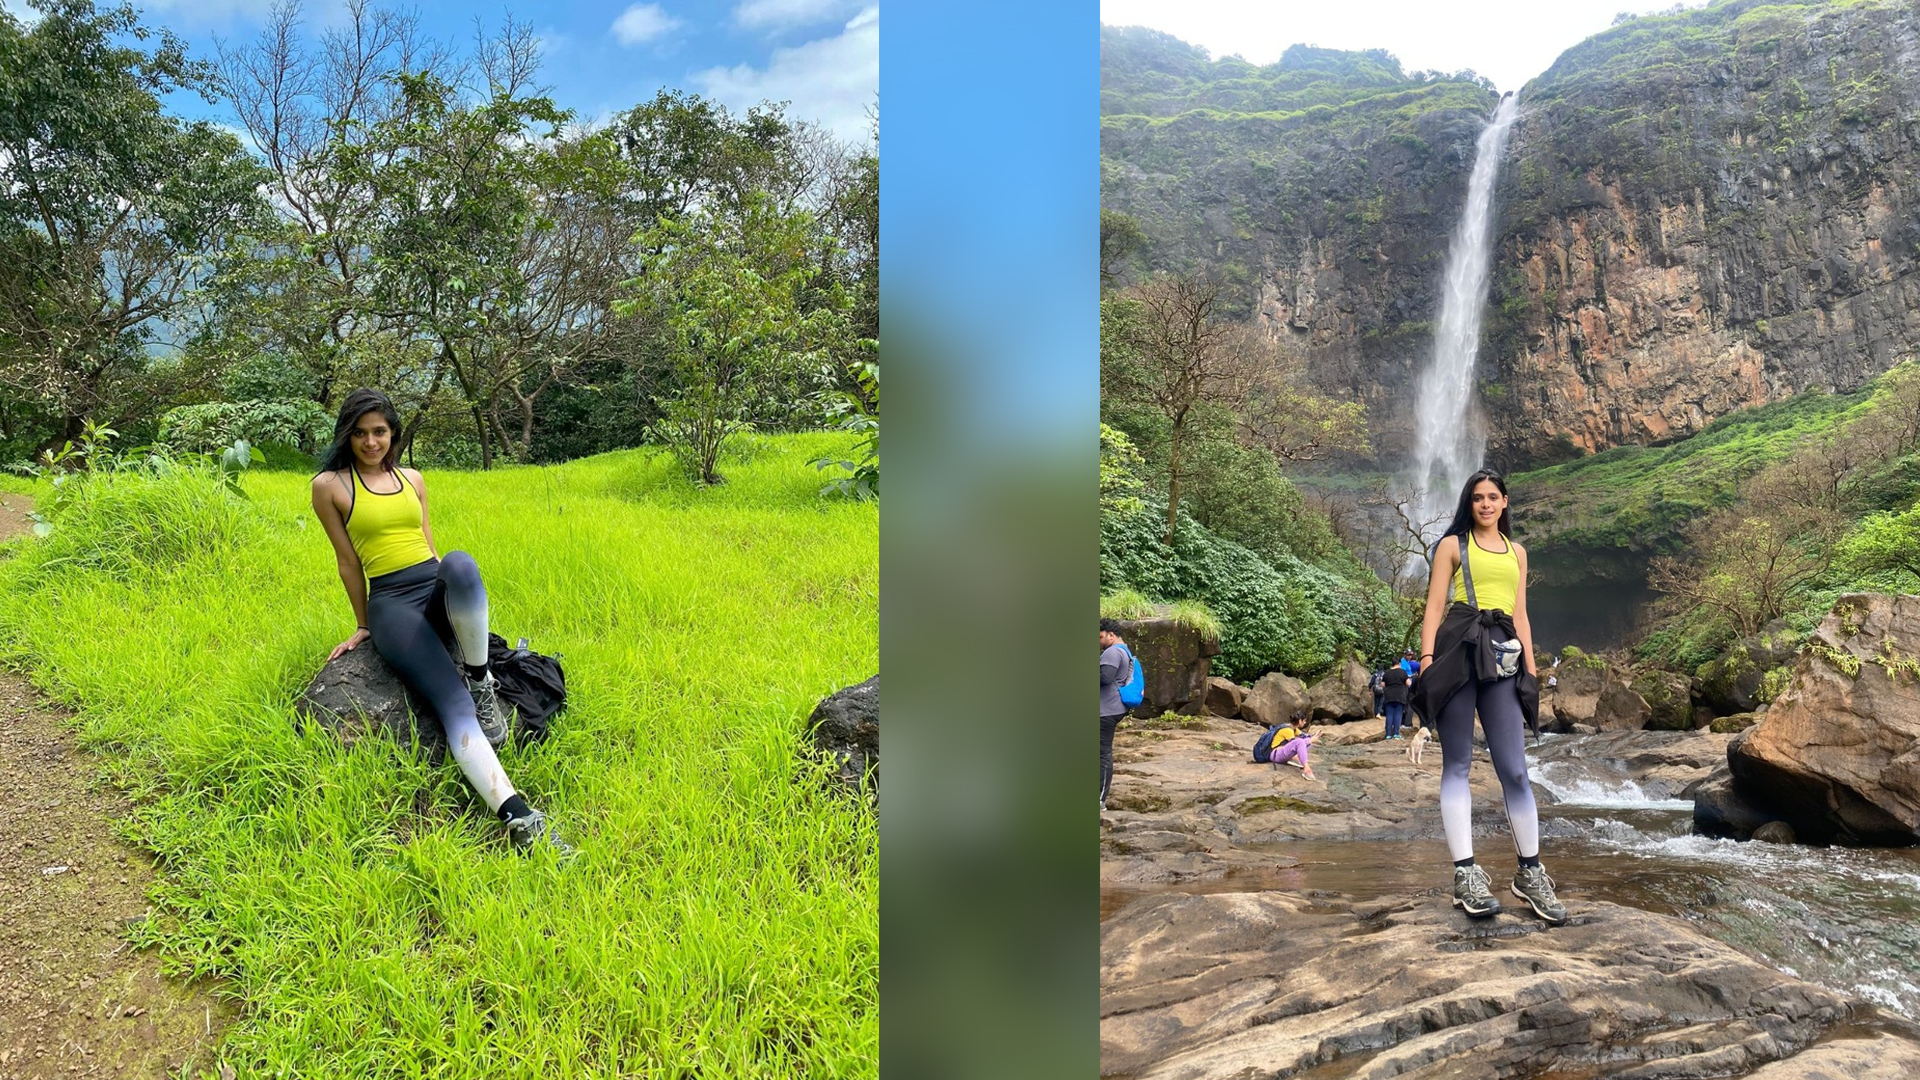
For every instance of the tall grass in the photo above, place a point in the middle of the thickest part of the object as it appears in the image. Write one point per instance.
(722, 917)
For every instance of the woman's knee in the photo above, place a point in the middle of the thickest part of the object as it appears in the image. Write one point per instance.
(458, 569)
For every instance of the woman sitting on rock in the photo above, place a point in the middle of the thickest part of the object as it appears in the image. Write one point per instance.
(413, 604)
(1477, 654)
(1290, 745)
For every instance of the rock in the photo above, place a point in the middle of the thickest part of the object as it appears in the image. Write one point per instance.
(1352, 733)
(846, 726)
(1703, 718)
(1619, 708)
(1665, 764)
(1736, 722)
(1669, 699)
(1223, 697)
(1342, 694)
(1176, 658)
(357, 693)
(1274, 699)
(1774, 832)
(1582, 729)
(1272, 984)
(1721, 809)
(1578, 691)
(1748, 673)
(1834, 755)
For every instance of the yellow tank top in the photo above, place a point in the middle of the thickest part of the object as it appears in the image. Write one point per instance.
(387, 530)
(1496, 576)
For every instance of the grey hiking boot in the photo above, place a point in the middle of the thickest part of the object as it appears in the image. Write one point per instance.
(1531, 883)
(1473, 891)
(528, 831)
(486, 706)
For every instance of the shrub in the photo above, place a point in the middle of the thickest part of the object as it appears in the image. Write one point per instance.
(212, 427)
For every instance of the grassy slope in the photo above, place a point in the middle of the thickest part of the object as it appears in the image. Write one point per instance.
(1635, 498)
(722, 919)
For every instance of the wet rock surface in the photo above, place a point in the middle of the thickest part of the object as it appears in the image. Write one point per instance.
(1228, 977)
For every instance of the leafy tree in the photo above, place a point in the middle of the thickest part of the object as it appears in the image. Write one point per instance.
(727, 285)
(1120, 237)
(106, 203)
(1883, 541)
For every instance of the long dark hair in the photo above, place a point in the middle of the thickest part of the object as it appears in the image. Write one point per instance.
(358, 404)
(1463, 514)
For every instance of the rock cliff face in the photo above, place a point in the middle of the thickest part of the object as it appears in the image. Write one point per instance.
(1698, 212)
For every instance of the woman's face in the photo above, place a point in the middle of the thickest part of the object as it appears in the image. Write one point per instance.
(370, 438)
(1488, 503)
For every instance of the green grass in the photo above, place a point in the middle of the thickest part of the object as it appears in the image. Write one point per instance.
(361, 905)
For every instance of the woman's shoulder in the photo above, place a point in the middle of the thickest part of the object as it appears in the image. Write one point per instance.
(412, 475)
(326, 480)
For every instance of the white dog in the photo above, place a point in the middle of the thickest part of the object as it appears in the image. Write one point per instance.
(1417, 742)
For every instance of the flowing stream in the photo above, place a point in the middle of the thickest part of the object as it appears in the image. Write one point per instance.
(1845, 918)
(1449, 443)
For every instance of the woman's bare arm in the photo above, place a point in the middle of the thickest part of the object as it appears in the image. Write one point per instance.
(426, 524)
(346, 560)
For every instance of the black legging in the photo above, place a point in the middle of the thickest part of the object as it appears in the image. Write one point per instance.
(1498, 703)
(1107, 726)
(415, 615)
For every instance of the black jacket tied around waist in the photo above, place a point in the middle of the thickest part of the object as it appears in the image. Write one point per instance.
(1463, 654)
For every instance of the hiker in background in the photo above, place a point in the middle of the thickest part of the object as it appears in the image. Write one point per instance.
(1396, 706)
(1479, 645)
(412, 604)
(1377, 687)
(1116, 671)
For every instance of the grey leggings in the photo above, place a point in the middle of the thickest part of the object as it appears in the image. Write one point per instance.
(1499, 705)
(415, 616)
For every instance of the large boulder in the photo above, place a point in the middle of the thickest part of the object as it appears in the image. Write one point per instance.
(1669, 699)
(1746, 675)
(1619, 708)
(1720, 809)
(1176, 658)
(1273, 699)
(1576, 692)
(1224, 697)
(1837, 755)
(1342, 694)
(357, 693)
(846, 727)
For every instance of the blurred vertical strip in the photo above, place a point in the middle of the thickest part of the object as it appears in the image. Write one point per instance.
(989, 288)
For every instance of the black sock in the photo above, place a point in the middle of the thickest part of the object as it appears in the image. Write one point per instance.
(1468, 861)
(514, 807)
(477, 674)
(1529, 860)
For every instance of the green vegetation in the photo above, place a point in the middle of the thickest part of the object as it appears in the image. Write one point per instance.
(358, 903)
(1266, 804)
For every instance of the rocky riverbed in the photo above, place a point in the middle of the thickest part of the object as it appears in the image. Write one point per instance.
(1221, 957)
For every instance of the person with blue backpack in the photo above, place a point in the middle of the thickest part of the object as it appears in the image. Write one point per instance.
(1120, 678)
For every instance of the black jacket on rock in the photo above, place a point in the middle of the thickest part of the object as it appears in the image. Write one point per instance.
(1463, 654)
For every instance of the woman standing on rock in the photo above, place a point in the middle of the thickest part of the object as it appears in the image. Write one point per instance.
(1477, 655)
(414, 605)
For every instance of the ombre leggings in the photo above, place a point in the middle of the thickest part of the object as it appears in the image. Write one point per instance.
(413, 614)
(1498, 704)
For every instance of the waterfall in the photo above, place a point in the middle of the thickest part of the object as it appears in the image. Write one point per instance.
(1449, 444)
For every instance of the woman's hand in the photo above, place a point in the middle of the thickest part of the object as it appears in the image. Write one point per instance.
(360, 635)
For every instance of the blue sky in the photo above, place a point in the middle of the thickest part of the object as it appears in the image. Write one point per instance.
(603, 57)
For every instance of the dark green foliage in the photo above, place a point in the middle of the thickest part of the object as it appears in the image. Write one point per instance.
(1284, 615)
(1240, 494)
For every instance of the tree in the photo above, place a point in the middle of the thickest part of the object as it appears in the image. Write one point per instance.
(1279, 414)
(727, 284)
(1748, 569)
(107, 207)
(1162, 344)
(1120, 237)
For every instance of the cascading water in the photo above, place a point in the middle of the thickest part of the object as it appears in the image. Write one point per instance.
(1448, 444)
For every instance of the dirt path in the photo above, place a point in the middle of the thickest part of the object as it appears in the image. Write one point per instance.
(75, 999)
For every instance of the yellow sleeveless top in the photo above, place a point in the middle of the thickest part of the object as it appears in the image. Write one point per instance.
(1496, 576)
(387, 529)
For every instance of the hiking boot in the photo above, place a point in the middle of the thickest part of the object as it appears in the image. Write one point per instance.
(528, 831)
(1531, 883)
(1473, 892)
(486, 706)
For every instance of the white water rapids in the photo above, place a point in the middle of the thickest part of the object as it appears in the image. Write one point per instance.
(1448, 442)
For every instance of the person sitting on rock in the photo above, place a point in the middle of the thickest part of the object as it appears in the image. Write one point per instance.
(1294, 750)
(1479, 645)
(414, 605)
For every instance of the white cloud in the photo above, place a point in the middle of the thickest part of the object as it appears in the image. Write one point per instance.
(762, 14)
(642, 23)
(831, 81)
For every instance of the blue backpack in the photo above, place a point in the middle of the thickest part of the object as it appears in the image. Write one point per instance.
(1135, 690)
